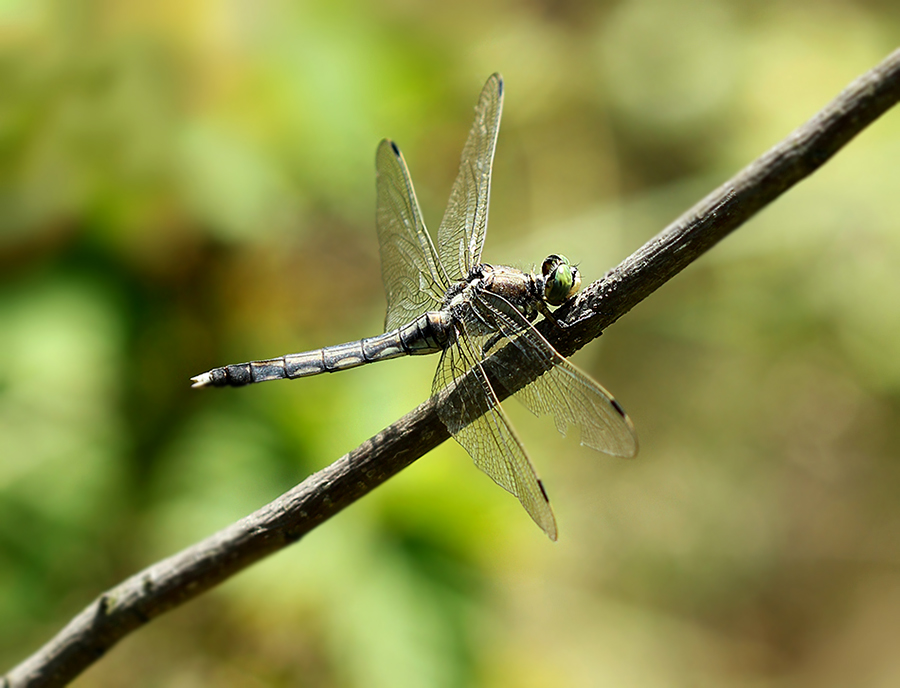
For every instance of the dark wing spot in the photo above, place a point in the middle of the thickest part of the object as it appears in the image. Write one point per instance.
(103, 605)
(499, 85)
(617, 407)
(394, 148)
(543, 491)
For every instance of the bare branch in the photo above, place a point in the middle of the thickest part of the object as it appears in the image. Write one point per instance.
(187, 574)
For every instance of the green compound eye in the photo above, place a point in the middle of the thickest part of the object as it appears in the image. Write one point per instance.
(561, 279)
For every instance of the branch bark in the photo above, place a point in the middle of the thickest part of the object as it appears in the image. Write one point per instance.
(187, 574)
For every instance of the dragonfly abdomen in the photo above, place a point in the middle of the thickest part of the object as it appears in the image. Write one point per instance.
(427, 334)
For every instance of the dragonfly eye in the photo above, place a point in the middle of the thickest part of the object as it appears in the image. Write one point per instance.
(561, 279)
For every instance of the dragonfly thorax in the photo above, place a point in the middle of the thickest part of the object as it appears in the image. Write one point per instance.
(522, 290)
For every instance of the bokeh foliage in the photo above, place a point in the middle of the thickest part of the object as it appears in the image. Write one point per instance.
(184, 185)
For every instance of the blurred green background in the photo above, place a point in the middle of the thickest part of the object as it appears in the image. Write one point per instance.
(184, 185)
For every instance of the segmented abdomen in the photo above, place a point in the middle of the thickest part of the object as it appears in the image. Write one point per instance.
(426, 334)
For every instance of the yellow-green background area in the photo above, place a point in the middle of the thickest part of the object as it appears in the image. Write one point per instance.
(190, 184)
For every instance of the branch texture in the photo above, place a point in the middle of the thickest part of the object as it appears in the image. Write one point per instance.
(185, 575)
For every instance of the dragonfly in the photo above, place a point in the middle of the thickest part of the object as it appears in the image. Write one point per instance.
(443, 299)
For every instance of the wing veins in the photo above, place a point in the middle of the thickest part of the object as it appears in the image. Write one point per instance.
(558, 387)
(475, 417)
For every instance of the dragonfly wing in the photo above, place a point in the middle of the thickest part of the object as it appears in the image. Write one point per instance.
(461, 234)
(414, 281)
(469, 408)
(559, 388)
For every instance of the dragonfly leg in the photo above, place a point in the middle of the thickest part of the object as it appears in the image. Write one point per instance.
(491, 343)
(542, 308)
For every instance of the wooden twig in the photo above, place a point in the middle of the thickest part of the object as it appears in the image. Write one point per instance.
(187, 574)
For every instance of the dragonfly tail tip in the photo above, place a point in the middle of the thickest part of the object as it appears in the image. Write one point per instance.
(201, 380)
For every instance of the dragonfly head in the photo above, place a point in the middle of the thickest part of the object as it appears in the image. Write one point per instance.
(561, 279)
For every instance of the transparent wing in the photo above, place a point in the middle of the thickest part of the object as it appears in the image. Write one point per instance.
(559, 388)
(473, 415)
(461, 234)
(414, 281)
